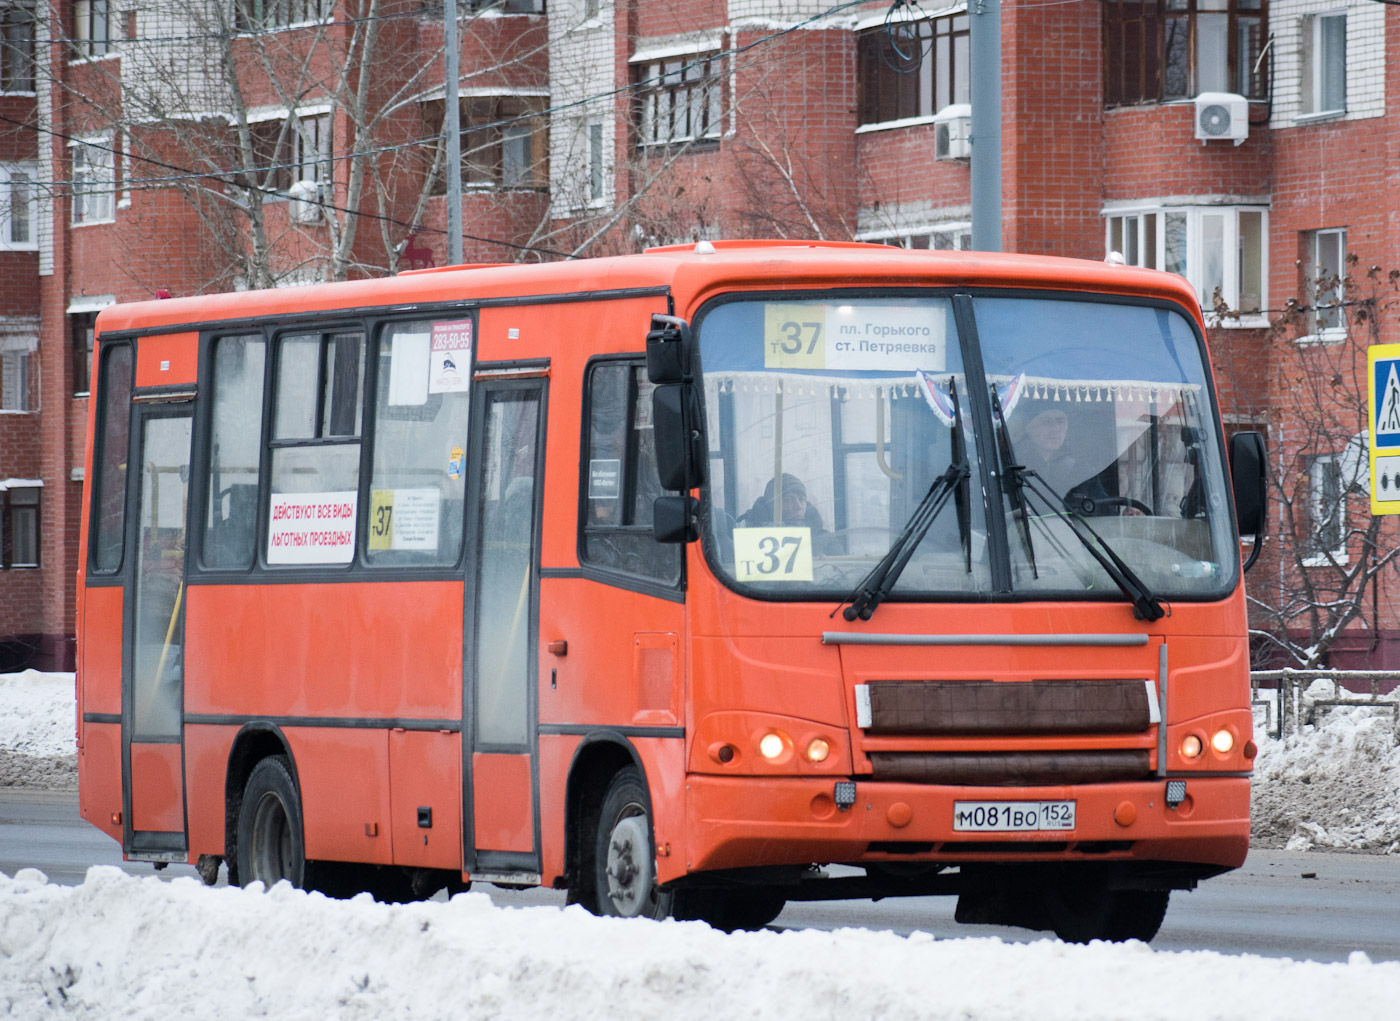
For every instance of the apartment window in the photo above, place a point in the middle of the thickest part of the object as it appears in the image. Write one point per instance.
(504, 142)
(595, 162)
(19, 525)
(678, 99)
(19, 207)
(1325, 63)
(1221, 250)
(507, 6)
(253, 15)
(938, 239)
(81, 328)
(591, 9)
(914, 69)
(16, 46)
(94, 182)
(1156, 50)
(286, 152)
(1324, 266)
(92, 27)
(1327, 511)
(14, 380)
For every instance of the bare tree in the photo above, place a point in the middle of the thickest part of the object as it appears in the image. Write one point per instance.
(1322, 577)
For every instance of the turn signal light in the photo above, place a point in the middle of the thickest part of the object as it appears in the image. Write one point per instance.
(818, 750)
(771, 746)
(1222, 741)
(1190, 746)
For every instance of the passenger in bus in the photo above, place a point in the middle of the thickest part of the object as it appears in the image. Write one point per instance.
(796, 512)
(1044, 446)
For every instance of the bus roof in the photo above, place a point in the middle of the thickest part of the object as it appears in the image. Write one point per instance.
(692, 273)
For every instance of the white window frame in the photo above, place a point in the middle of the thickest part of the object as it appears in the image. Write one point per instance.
(939, 237)
(1318, 61)
(1149, 224)
(245, 15)
(7, 55)
(1318, 334)
(14, 380)
(1317, 471)
(29, 174)
(93, 172)
(87, 14)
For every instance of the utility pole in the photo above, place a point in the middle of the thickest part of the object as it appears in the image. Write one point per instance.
(451, 119)
(985, 47)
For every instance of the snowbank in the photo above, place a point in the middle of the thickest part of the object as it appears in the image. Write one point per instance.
(38, 714)
(122, 947)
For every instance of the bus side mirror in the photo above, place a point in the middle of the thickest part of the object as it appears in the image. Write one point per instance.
(677, 421)
(668, 349)
(1249, 477)
(675, 519)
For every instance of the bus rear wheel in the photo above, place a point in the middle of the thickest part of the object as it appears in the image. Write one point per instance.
(624, 861)
(270, 842)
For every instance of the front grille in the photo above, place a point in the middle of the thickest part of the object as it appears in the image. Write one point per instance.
(1012, 769)
(989, 708)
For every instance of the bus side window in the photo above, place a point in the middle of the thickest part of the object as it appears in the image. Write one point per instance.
(418, 478)
(319, 399)
(620, 479)
(113, 432)
(234, 443)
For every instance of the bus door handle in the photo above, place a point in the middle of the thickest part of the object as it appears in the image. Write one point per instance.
(559, 647)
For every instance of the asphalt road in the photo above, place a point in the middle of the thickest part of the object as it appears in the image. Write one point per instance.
(1317, 906)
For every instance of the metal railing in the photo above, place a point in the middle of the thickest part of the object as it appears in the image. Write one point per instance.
(1287, 709)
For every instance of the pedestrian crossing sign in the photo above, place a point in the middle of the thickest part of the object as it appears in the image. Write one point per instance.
(1383, 361)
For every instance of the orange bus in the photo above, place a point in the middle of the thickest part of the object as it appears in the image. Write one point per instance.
(671, 579)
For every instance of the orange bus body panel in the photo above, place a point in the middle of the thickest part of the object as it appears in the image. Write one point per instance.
(372, 650)
(100, 777)
(344, 779)
(101, 639)
(426, 773)
(167, 360)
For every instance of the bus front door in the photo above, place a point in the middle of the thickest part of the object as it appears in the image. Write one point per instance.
(500, 815)
(154, 622)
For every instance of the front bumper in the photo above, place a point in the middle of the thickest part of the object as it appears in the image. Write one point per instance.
(736, 822)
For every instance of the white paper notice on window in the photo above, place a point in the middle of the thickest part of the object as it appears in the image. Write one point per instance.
(311, 528)
(415, 519)
(408, 369)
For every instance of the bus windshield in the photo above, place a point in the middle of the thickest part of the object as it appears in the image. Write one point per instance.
(836, 423)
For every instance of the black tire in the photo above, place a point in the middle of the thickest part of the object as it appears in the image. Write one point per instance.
(624, 858)
(271, 845)
(1080, 912)
(729, 910)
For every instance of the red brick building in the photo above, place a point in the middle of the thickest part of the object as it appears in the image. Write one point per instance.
(194, 146)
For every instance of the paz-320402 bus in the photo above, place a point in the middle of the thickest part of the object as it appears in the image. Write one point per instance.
(669, 579)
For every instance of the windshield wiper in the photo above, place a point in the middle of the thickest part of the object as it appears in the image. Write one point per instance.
(875, 587)
(1020, 480)
(1011, 483)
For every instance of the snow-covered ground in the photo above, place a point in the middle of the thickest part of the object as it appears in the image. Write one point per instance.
(122, 947)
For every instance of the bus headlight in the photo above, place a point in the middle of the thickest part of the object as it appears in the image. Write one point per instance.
(818, 749)
(771, 746)
(1190, 746)
(1222, 741)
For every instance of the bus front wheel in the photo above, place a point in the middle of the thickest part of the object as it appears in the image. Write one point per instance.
(1079, 914)
(270, 843)
(624, 862)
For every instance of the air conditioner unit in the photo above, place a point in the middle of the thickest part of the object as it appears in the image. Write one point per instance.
(305, 201)
(1222, 115)
(952, 132)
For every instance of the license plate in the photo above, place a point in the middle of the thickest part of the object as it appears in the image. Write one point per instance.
(1012, 816)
